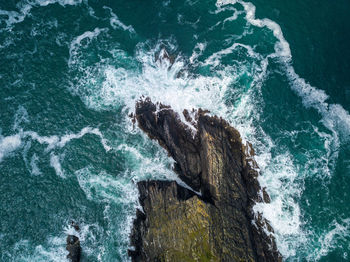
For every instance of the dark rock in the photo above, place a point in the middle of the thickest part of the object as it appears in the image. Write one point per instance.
(75, 226)
(73, 247)
(174, 226)
(177, 224)
(163, 56)
(174, 136)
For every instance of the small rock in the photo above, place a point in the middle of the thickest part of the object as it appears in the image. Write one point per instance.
(73, 247)
(75, 226)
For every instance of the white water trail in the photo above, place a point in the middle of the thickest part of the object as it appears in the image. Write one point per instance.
(56, 141)
(11, 143)
(117, 24)
(56, 164)
(339, 231)
(24, 8)
(77, 41)
(335, 117)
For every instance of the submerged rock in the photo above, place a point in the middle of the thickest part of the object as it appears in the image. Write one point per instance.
(75, 225)
(163, 57)
(217, 225)
(73, 247)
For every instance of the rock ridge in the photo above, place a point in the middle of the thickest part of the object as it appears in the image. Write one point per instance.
(219, 225)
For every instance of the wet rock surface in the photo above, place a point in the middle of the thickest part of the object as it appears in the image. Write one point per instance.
(73, 247)
(218, 225)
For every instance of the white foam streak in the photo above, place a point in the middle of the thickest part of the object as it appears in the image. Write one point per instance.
(232, 18)
(14, 17)
(76, 42)
(283, 211)
(86, 130)
(34, 166)
(116, 23)
(101, 186)
(339, 231)
(61, 2)
(21, 117)
(282, 46)
(197, 51)
(335, 117)
(104, 142)
(56, 141)
(9, 144)
(214, 59)
(50, 140)
(55, 163)
(110, 190)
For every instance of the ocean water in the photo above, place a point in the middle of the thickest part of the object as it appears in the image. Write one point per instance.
(72, 70)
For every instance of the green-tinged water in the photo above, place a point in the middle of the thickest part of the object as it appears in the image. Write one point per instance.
(71, 71)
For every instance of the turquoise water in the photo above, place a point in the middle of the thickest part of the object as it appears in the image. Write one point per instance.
(71, 71)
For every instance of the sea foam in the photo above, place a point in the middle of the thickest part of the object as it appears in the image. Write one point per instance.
(335, 117)
(87, 36)
(55, 163)
(24, 7)
(117, 24)
(56, 141)
(9, 144)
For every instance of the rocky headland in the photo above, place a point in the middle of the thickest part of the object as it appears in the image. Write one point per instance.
(216, 224)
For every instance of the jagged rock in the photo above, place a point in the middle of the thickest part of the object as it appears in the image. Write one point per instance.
(75, 225)
(172, 134)
(73, 247)
(179, 225)
(163, 57)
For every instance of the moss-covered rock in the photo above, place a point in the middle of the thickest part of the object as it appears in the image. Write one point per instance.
(176, 228)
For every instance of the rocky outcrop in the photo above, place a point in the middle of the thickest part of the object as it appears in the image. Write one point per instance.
(217, 225)
(73, 247)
